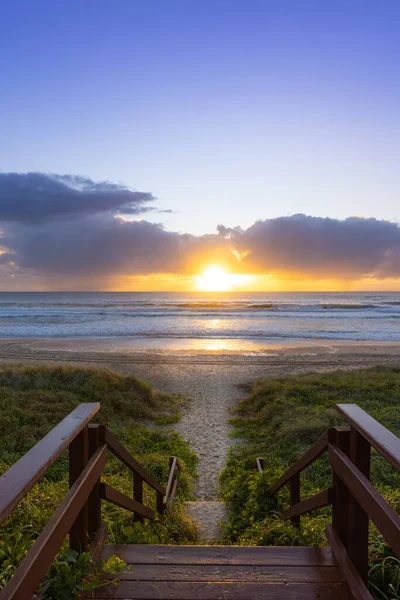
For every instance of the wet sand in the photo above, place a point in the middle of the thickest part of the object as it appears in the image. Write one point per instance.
(209, 378)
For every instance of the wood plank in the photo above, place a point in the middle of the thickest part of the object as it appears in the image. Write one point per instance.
(384, 517)
(358, 539)
(225, 591)
(78, 459)
(115, 497)
(309, 457)
(317, 501)
(22, 476)
(126, 457)
(217, 555)
(242, 573)
(98, 541)
(34, 566)
(383, 440)
(171, 479)
(353, 578)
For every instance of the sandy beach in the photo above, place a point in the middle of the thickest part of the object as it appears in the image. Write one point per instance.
(211, 378)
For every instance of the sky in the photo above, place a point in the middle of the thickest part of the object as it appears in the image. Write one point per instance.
(162, 138)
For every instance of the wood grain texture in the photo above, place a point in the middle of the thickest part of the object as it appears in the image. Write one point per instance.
(214, 555)
(224, 591)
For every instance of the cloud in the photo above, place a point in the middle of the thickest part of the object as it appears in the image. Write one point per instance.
(38, 197)
(301, 245)
(82, 239)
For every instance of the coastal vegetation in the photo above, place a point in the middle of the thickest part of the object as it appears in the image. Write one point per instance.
(32, 401)
(279, 420)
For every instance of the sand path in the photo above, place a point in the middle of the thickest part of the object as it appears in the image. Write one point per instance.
(210, 381)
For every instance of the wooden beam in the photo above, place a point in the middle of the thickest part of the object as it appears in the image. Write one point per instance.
(353, 578)
(34, 566)
(383, 440)
(384, 517)
(309, 457)
(125, 456)
(319, 500)
(22, 476)
(115, 497)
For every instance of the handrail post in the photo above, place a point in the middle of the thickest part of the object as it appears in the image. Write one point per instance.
(340, 436)
(138, 494)
(294, 484)
(78, 459)
(94, 501)
(360, 455)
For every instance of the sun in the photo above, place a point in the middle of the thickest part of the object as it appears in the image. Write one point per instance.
(214, 279)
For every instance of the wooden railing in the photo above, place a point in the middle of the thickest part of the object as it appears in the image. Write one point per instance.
(79, 512)
(354, 499)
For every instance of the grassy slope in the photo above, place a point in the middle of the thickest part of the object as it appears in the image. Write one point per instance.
(34, 399)
(279, 421)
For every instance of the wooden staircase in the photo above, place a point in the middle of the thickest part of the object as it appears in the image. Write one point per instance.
(226, 572)
(338, 571)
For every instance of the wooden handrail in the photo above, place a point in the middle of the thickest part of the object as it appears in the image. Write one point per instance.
(383, 440)
(79, 512)
(22, 476)
(309, 457)
(384, 517)
(319, 500)
(114, 496)
(34, 566)
(124, 456)
(356, 584)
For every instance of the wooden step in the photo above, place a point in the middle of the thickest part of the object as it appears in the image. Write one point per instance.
(225, 572)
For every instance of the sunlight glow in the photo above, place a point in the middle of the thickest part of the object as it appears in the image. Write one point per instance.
(215, 279)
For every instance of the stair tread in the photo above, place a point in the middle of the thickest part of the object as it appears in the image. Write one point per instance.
(227, 572)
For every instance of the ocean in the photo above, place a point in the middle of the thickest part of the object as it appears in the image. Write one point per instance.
(194, 316)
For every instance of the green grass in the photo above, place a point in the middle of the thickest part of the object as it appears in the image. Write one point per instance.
(34, 399)
(279, 421)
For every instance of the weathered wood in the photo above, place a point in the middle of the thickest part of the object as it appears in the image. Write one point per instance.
(78, 459)
(260, 464)
(94, 501)
(171, 477)
(182, 590)
(124, 456)
(360, 455)
(294, 486)
(115, 497)
(217, 555)
(34, 566)
(209, 573)
(309, 457)
(384, 517)
(160, 503)
(385, 442)
(317, 501)
(22, 476)
(352, 576)
(98, 541)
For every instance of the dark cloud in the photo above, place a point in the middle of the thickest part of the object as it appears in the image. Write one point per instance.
(93, 243)
(317, 247)
(39, 197)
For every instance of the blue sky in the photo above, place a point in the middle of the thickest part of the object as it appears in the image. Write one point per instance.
(226, 111)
